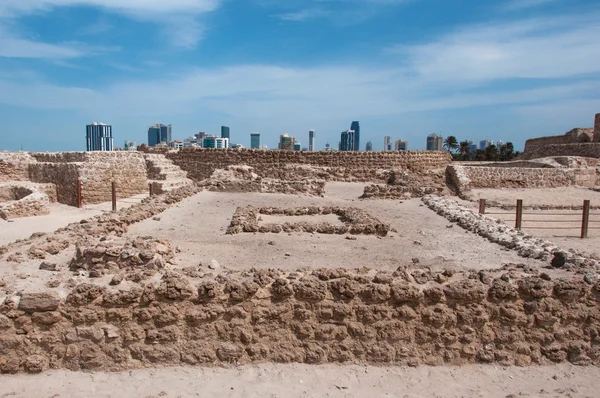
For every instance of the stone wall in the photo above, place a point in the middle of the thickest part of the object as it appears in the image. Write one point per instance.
(575, 136)
(96, 170)
(465, 178)
(330, 316)
(34, 204)
(597, 128)
(590, 150)
(295, 165)
(14, 166)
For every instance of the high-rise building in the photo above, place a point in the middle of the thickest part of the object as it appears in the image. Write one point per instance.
(387, 143)
(369, 146)
(311, 140)
(434, 142)
(213, 141)
(225, 132)
(286, 142)
(98, 137)
(130, 146)
(159, 133)
(297, 145)
(472, 146)
(255, 140)
(347, 140)
(401, 145)
(355, 126)
(484, 144)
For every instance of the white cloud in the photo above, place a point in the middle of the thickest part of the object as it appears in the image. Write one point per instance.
(302, 15)
(179, 17)
(536, 48)
(514, 5)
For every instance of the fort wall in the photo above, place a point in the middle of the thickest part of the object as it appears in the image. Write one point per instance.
(590, 150)
(330, 316)
(292, 165)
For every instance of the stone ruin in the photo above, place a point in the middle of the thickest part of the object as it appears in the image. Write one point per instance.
(25, 199)
(353, 221)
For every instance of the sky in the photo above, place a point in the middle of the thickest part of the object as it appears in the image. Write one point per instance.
(496, 69)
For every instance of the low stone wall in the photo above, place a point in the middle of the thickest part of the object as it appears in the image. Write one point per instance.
(590, 150)
(14, 166)
(377, 191)
(335, 316)
(346, 166)
(465, 178)
(34, 204)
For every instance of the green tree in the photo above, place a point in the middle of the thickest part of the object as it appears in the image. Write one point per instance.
(451, 143)
(465, 150)
(491, 153)
(507, 151)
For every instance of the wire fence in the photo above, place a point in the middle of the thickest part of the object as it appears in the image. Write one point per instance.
(583, 221)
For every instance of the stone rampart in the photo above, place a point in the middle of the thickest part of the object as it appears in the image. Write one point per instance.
(331, 316)
(14, 166)
(575, 136)
(597, 128)
(287, 165)
(465, 178)
(590, 150)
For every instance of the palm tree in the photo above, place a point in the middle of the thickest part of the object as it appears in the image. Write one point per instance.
(465, 149)
(451, 143)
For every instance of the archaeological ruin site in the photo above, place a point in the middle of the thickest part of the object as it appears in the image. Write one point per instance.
(238, 256)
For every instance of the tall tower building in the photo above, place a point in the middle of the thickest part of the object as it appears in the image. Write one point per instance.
(98, 137)
(387, 143)
(255, 140)
(347, 140)
(401, 145)
(434, 142)
(311, 140)
(369, 146)
(225, 132)
(159, 133)
(356, 128)
(286, 142)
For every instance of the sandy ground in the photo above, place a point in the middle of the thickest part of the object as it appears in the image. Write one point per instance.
(60, 216)
(564, 196)
(198, 224)
(300, 380)
(565, 231)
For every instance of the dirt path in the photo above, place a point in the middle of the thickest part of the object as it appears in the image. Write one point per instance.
(295, 380)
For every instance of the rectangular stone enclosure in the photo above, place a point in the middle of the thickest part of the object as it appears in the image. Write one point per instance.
(351, 220)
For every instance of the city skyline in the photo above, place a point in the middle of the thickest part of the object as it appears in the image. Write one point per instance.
(64, 63)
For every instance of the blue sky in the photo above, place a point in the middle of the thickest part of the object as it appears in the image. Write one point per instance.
(475, 69)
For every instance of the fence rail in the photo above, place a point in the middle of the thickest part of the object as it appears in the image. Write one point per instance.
(583, 222)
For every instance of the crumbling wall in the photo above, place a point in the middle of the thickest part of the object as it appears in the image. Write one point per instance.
(590, 150)
(14, 166)
(327, 316)
(597, 128)
(34, 204)
(577, 135)
(465, 178)
(334, 165)
(95, 169)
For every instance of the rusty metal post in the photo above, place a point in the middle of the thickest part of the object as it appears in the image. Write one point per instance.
(519, 218)
(481, 206)
(79, 198)
(114, 196)
(150, 189)
(585, 220)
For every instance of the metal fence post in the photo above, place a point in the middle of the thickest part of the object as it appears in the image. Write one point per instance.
(150, 188)
(114, 196)
(519, 217)
(79, 198)
(481, 206)
(585, 220)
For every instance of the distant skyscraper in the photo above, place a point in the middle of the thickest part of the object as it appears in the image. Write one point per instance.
(159, 133)
(212, 141)
(484, 144)
(356, 128)
(369, 146)
(297, 145)
(130, 146)
(286, 142)
(434, 142)
(225, 132)
(255, 140)
(387, 143)
(311, 140)
(98, 137)
(401, 145)
(347, 140)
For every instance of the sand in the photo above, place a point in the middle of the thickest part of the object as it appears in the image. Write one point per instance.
(298, 380)
(198, 224)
